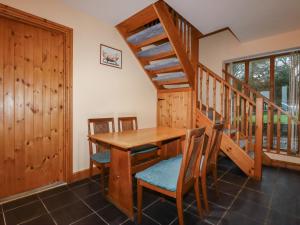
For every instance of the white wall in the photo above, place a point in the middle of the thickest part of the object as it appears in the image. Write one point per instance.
(98, 90)
(215, 49)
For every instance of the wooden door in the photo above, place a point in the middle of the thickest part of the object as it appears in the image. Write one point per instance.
(32, 107)
(174, 109)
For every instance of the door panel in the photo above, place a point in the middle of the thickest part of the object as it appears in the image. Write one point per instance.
(31, 107)
(174, 109)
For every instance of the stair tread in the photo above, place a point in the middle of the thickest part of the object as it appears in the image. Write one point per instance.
(146, 34)
(171, 62)
(173, 81)
(152, 40)
(160, 56)
(176, 86)
(166, 70)
(169, 76)
(163, 48)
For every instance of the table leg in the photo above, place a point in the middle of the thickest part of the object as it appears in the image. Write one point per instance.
(120, 191)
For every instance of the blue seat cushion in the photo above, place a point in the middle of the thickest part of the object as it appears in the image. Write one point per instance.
(163, 174)
(143, 149)
(101, 157)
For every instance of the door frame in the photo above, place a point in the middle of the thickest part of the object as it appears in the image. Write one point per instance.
(27, 18)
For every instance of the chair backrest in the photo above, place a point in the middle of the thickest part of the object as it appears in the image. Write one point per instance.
(210, 153)
(99, 126)
(190, 159)
(127, 123)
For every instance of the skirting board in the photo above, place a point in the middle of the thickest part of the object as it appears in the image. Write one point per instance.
(82, 174)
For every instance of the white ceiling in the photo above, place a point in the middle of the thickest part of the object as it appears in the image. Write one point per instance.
(248, 19)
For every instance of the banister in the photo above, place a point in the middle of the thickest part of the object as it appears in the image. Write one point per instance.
(268, 101)
(258, 138)
(221, 80)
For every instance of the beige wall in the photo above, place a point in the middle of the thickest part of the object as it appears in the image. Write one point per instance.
(215, 49)
(98, 90)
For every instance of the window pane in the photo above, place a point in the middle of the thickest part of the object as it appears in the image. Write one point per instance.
(238, 70)
(282, 72)
(259, 76)
(259, 79)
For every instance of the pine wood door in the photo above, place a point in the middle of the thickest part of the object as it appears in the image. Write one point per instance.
(32, 110)
(174, 109)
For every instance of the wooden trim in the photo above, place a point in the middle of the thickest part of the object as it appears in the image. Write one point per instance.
(82, 174)
(27, 18)
(219, 31)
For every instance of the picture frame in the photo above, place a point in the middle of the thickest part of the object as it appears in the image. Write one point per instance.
(110, 56)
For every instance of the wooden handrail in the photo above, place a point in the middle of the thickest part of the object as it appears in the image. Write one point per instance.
(221, 80)
(266, 100)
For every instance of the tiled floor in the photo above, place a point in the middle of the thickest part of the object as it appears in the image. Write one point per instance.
(274, 201)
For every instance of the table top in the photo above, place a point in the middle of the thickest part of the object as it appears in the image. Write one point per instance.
(135, 138)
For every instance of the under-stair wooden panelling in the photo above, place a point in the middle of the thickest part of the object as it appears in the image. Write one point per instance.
(174, 109)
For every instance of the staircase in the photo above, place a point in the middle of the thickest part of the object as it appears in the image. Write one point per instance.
(162, 41)
(166, 46)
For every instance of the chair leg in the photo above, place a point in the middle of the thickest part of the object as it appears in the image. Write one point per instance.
(197, 194)
(139, 202)
(204, 192)
(102, 179)
(215, 176)
(180, 209)
(91, 168)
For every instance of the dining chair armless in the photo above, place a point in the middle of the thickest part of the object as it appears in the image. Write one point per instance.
(99, 152)
(175, 176)
(148, 154)
(209, 159)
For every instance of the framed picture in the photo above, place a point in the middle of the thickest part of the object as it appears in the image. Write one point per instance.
(110, 56)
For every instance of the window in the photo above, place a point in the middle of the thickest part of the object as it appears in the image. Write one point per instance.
(257, 73)
(259, 76)
(238, 70)
(281, 81)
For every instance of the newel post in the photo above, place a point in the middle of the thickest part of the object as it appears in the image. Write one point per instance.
(258, 138)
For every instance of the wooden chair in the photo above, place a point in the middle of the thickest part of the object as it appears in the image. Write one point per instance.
(101, 157)
(209, 159)
(175, 176)
(142, 156)
(127, 123)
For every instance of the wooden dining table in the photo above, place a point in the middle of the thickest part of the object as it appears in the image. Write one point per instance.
(120, 189)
